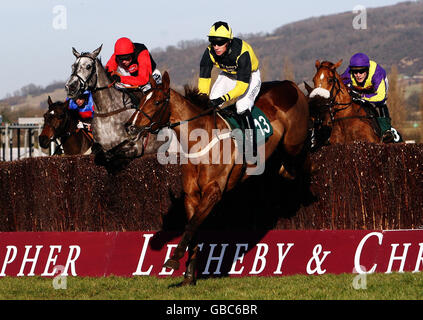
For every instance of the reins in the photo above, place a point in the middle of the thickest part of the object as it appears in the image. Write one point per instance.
(202, 114)
(332, 103)
(164, 104)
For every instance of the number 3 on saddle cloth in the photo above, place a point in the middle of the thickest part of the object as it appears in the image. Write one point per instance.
(263, 128)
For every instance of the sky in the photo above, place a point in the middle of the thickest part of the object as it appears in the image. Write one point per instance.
(37, 36)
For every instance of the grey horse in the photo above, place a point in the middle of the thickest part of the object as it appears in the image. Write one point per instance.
(114, 148)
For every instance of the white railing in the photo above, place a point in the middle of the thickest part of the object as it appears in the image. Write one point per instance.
(19, 141)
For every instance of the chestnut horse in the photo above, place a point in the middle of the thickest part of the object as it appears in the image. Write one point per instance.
(282, 102)
(332, 108)
(61, 123)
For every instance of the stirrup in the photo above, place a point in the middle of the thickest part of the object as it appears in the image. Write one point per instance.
(388, 136)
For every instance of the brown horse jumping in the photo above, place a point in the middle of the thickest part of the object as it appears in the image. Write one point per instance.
(204, 183)
(332, 106)
(61, 123)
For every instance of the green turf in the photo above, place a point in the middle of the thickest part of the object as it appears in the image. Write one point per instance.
(377, 287)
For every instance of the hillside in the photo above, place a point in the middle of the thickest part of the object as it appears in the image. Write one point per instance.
(393, 37)
(29, 105)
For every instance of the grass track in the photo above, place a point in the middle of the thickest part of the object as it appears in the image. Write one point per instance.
(405, 286)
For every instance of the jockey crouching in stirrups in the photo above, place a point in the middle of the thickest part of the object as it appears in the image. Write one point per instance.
(131, 65)
(368, 82)
(240, 75)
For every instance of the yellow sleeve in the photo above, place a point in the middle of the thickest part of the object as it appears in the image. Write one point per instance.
(204, 85)
(240, 88)
(380, 93)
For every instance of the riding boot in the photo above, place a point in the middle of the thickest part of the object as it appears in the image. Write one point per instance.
(384, 121)
(248, 121)
(385, 129)
(135, 101)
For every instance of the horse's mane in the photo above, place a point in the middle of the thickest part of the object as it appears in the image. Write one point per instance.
(193, 95)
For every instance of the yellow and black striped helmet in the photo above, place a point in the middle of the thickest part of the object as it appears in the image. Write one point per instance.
(220, 30)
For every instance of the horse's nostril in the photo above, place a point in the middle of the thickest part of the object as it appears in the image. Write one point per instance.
(43, 140)
(130, 129)
(71, 87)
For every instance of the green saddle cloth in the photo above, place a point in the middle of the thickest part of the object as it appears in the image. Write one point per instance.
(263, 128)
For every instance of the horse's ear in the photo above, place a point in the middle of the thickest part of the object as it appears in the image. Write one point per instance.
(317, 64)
(166, 80)
(308, 87)
(95, 53)
(49, 101)
(336, 65)
(75, 53)
(152, 81)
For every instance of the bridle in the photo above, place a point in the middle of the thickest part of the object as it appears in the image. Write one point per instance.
(162, 106)
(64, 118)
(329, 106)
(84, 83)
(61, 131)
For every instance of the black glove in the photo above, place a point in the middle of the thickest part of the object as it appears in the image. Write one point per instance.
(115, 78)
(216, 102)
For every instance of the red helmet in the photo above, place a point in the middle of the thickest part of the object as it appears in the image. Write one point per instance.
(124, 46)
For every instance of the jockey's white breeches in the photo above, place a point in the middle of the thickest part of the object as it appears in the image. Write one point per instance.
(225, 82)
(156, 75)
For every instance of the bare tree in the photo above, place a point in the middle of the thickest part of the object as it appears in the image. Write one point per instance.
(396, 99)
(265, 69)
(421, 112)
(288, 69)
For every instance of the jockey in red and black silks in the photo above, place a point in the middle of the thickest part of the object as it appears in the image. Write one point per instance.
(133, 63)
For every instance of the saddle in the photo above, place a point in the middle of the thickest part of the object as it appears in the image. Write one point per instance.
(372, 114)
(131, 96)
(262, 127)
(377, 117)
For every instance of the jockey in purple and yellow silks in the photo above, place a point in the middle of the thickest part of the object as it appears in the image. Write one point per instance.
(368, 79)
(84, 104)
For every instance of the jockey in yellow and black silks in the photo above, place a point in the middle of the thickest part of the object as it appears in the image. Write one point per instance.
(240, 75)
(368, 79)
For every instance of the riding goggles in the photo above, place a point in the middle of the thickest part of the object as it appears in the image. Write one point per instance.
(218, 41)
(359, 70)
(124, 57)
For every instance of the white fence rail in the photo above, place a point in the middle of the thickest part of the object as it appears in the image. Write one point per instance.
(19, 141)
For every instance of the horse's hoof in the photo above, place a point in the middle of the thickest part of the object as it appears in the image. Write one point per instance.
(172, 264)
(189, 281)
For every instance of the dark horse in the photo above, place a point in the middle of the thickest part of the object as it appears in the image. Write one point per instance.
(204, 183)
(337, 118)
(61, 123)
(114, 147)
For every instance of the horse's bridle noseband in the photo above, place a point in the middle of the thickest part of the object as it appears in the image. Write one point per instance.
(164, 103)
(60, 131)
(329, 106)
(84, 83)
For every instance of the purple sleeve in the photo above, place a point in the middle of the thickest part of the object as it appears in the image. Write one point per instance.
(345, 77)
(378, 77)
